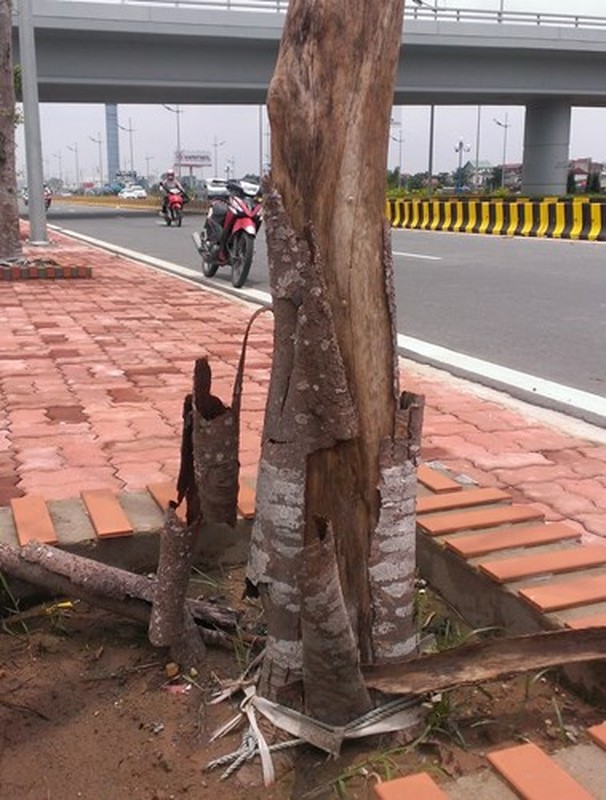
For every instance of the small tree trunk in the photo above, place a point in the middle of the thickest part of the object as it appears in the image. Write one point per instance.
(171, 623)
(10, 241)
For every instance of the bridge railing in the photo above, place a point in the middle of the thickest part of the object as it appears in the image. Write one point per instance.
(427, 12)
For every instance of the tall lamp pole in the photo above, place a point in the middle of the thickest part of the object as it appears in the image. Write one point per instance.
(461, 148)
(98, 141)
(130, 130)
(432, 109)
(177, 111)
(400, 140)
(216, 146)
(74, 150)
(505, 125)
(59, 158)
(31, 113)
(478, 132)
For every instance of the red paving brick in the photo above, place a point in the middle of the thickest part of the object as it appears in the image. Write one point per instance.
(440, 524)
(437, 481)
(478, 544)
(568, 560)
(32, 520)
(561, 594)
(106, 514)
(535, 776)
(464, 499)
(412, 787)
(598, 734)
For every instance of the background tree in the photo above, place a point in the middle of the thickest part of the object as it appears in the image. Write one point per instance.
(332, 551)
(10, 242)
(571, 184)
(594, 184)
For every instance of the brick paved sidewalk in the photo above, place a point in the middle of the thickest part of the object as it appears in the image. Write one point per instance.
(93, 372)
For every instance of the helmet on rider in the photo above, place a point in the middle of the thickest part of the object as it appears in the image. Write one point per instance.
(170, 173)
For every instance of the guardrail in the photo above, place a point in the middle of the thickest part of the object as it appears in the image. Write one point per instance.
(551, 217)
(424, 12)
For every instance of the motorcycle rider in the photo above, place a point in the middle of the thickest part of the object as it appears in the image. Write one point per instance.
(168, 183)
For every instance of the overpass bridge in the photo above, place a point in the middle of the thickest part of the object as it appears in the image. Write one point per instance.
(224, 51)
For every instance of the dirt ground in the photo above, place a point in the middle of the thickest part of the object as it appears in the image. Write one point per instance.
(87, 711)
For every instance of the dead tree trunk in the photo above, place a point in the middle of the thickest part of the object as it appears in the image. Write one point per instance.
(10, 241)
(332, 458)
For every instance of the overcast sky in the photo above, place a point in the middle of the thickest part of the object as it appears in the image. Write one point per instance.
(231, 134)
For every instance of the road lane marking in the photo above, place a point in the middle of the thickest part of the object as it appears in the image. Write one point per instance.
(418, 255)
(531, 388)
(554, 395)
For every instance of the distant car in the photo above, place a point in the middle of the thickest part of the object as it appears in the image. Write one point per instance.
(216, 187)
(132, 193)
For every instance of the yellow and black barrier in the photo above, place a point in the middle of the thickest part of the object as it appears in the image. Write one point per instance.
(575, 218)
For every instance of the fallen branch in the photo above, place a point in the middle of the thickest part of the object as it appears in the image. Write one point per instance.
(488, 660)
(114, 589)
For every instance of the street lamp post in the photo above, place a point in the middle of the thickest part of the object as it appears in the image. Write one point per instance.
(177, 111)
(505, 125)
(98, 141)
(216, 146)
(33, 139)
(478, 132)
(74, 150)
(130, 130)
(461, 148)
(59, 158)
(400, 140)
(147, 160)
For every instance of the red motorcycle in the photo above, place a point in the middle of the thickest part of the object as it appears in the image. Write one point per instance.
(229, 232)
(173, 210)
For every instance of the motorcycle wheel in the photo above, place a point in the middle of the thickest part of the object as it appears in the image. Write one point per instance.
(241, 258)
(178, 218)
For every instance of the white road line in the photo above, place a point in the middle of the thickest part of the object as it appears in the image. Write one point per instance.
(530, 385)
(543, 391)
(418, 255)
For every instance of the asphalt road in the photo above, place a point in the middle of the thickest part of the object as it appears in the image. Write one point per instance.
(537, 306)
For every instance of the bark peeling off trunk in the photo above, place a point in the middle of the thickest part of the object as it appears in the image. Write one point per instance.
(215, 435)
(275, 550)
(392, 559)
(487, 660)
(309, 401)
(333, 685)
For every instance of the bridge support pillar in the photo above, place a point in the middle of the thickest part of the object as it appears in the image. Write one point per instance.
(546, 149)
(113, 143)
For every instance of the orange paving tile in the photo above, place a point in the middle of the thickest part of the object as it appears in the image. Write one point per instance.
(453, 500)
(507, 538)
(440, 524)
(32, 520)
(436, 481)
(566, 594)
(412, 787)
(593, 621)
(512, 569)
(247, 499)
(598, 734)
(106, 513)
(163, 493)
(534, 775)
